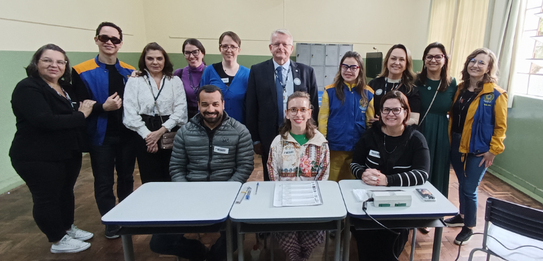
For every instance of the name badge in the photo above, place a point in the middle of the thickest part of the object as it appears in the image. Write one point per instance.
(220, 150)
(375, 153)
(225, 80)
(288, 152)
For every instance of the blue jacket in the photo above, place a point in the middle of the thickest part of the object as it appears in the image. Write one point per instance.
(486, 121)
(95, 76)
(344, 123)
(234, 95)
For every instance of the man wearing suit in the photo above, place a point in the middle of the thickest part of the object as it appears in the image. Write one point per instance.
(270, 84)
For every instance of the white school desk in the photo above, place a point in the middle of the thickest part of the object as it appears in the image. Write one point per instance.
(174, 207)
(419, 214)
(257, 214)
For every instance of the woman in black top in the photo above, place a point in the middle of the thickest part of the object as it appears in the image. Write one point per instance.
(46, 149)
(397, 74)
(391, 153)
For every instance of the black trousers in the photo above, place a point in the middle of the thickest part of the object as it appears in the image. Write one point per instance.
(154, 167)
(115, 153)
(192, 249)
(52, 186)
(380, 244)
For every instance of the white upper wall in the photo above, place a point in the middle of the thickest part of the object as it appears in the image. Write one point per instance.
(71, 24)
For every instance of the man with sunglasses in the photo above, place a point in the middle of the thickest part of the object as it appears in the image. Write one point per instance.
(270, 84)
(103, 79)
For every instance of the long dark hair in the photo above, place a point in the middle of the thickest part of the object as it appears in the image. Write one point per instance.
(168, 66)
(491, 76)
(32, 68)
(395, 94)
(445, 79)
(197, 43)
(310, 126)
(408, 76)
(360, 80)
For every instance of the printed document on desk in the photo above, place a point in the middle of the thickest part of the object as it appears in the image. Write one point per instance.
(296, 194)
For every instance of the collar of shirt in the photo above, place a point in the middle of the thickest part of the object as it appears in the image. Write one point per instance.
(285, 66)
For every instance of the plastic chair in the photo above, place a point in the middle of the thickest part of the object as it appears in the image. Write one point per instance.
(512, 231)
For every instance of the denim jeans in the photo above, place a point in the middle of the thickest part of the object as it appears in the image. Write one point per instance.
(468, 180)
(52, 186)
(115, 153)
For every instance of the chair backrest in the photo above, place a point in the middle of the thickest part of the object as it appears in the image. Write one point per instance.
(516, 218)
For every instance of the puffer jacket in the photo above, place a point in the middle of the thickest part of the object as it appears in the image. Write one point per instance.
(226, 156)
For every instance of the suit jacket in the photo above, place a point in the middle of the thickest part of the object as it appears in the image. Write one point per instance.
(48, 128)
(261, 99)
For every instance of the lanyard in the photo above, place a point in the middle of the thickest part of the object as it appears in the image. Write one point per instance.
(464, 106)
(159, 90)
(194, 88)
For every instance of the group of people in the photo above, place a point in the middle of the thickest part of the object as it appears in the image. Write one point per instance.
(392, 131)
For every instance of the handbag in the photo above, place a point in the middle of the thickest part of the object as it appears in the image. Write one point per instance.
(166, 140)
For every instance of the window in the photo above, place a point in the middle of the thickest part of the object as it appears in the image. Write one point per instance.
(529, 67)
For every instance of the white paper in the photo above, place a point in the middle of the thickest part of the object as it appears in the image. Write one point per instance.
(297, 193)
(360, 194)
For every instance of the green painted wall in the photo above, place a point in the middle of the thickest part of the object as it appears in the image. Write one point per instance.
(12, 65)
(519, 165)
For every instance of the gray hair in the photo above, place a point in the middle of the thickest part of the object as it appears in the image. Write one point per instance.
(281, 31)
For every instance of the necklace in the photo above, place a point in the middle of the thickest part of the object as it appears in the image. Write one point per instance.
(394, 87)
(385, 143)
(464, 104)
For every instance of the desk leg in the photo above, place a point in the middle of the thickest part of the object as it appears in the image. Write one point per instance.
(229, 252)
(128, 248)
(338, 241)
(240, 243)
(413, 244)
(346, 239)
(437, 244)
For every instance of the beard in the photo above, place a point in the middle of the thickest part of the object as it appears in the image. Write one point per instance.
(212, 120)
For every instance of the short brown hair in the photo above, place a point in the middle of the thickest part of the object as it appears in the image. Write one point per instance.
(395, 94)
(232, 35)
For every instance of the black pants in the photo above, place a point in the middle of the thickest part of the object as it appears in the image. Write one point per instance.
(115, 153)
(380, 244)
(192, 249)
(52, 186)
(153, 166)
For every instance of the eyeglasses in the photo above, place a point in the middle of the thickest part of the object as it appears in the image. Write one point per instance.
(396, 111)
(225, 47)
(295, 111)
(480, 62)
(346, 67)
(194, 53)
(104, 38)
(51, 62)
(438, 57)
(277, 45)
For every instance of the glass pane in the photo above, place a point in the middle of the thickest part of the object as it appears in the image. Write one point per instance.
(531, 20)
(533, 3)
(520, 84)
(535, 85)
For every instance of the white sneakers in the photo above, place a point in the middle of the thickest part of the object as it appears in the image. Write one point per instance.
(77, 233)
(72, 242)
(69, 245)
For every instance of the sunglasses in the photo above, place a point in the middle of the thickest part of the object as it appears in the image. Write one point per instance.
(104, 38)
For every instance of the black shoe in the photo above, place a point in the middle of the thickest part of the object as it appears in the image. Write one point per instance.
(464, 236)
(456, 221)
(112, 231)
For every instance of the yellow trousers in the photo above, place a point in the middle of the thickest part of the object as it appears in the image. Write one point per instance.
(340, 162)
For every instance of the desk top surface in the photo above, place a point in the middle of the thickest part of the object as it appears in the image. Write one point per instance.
(259, 207)
(169, 203)
(418, 209)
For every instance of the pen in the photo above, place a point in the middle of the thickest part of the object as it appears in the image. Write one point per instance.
(247, 196)
(256, 191)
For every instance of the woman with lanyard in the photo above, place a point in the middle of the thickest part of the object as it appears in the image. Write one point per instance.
(299, 153)
(346, 107)
(191, 75)
(393, 154)
(154, 103)
(477, 125)
(397, 74)
(436, 89)
(230, 76)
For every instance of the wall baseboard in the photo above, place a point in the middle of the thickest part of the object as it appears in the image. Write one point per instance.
(517, 182)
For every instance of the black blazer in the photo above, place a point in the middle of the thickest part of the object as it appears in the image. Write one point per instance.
(48, 128)
(261, 99)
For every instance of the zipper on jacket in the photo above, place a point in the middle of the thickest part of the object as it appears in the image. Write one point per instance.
(210, 137)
